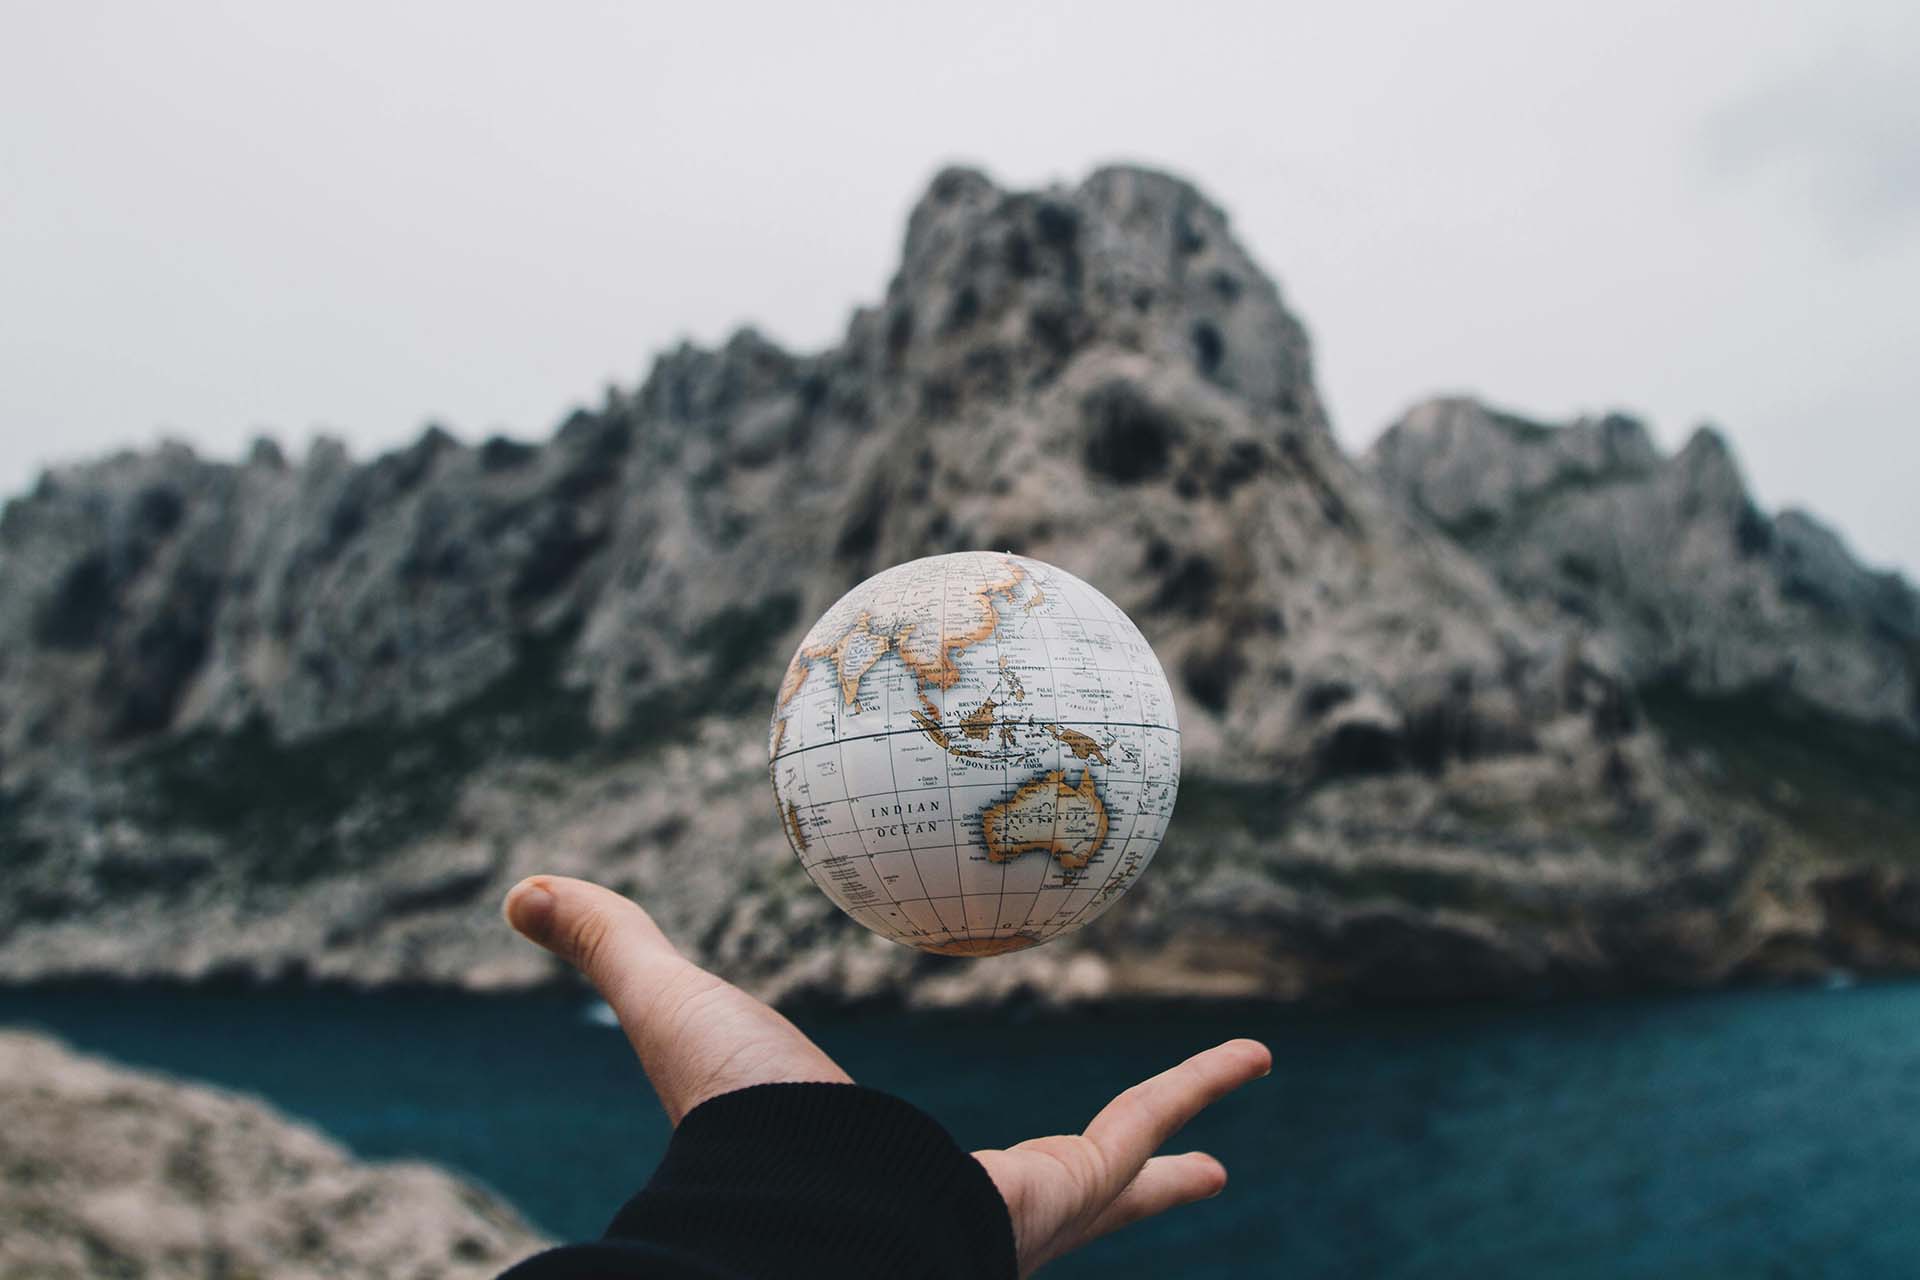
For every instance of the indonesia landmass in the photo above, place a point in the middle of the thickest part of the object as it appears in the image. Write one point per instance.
(1501, 707)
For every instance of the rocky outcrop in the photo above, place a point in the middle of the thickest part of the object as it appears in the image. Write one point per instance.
(270, 717)
(111, 1172)
(1666, 560)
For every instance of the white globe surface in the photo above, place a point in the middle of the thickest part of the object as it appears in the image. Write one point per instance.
(974, 753)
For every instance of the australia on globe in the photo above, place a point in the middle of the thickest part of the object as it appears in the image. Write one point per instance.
(974, 753)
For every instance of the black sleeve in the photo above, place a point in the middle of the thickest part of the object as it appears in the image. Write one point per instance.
(795, 1180)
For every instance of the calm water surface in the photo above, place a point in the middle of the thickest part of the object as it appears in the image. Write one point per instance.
(1770, 1134)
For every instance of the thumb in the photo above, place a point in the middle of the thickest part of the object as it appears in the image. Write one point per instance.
(607, 937)
(696, 1035)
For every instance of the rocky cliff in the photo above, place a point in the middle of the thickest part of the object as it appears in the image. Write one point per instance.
(110, 1172)
(1667, 560)
(1779, 670)
(315, 717)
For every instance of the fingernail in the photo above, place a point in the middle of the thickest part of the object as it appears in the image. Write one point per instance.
(529, 909)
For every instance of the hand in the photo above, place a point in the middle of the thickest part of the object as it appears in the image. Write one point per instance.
(698, 1037)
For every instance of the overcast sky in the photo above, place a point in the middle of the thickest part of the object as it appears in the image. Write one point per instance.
(223, 219)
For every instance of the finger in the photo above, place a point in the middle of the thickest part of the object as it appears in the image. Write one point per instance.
(1163, 1183)
(1135, 1125)
(697, 1036)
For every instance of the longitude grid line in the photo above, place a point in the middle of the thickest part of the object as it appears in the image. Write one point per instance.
(1006, 770)
(946, 766)
(1054, 684)
(841, 742)
(1006, 782)
(1059, 750)
(893, 775)
(1140, 707)
(833, 705)
(1114, 868)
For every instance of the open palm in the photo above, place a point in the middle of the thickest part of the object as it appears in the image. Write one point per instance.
(698, 1036)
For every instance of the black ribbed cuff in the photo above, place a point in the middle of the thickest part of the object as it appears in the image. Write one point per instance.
(782, 1180)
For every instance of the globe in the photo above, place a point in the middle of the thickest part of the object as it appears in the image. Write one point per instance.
(974, 753)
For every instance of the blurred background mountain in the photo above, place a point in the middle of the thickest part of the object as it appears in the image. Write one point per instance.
(1504, 706)
(1524, 695)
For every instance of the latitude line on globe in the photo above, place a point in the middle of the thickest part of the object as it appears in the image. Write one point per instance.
(881, 795)
(885, 733)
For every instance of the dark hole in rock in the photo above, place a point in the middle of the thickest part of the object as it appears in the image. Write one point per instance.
(1752, 531)
(1208, 347)
(348, 519)
(1356, 749)
(167, 651)
(939, 398)
(1187, 238)
(1209, 676)
(80, 609)
(899, 332)
(813, 392)
(1437, 734)
(158, 511)
(1129, 438)
(1323, 696)
(965, 309)
(1020, 255)
(1618, 775)
(1057, 224)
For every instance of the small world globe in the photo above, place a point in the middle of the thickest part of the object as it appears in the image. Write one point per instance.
(974, 753)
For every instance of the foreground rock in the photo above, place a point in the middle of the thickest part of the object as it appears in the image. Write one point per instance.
(110, 1172)
(275, 718)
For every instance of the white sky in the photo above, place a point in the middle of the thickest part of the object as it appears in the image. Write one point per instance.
(219, 219)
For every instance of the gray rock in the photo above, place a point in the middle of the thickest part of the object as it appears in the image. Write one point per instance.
(1668, 560)
(270, 718)
(115, 1172)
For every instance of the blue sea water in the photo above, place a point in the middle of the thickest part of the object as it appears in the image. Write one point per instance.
(1759, 1133)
